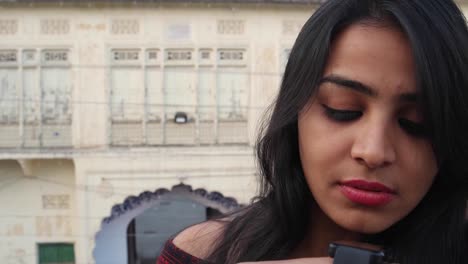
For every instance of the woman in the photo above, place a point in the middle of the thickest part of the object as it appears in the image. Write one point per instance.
(367, 142)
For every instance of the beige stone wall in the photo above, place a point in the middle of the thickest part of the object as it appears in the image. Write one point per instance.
(37, 208)
(65, 201)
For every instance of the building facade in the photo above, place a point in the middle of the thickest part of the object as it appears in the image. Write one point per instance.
(124, 121)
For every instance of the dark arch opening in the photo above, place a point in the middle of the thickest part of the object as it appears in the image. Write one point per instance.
(111, 240)
(147, 232)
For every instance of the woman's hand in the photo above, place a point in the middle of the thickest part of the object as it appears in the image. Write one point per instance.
(296, 261)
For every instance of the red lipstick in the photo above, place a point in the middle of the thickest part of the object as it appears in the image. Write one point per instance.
(367, 193)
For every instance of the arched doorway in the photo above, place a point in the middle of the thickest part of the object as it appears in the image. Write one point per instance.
(137, 228)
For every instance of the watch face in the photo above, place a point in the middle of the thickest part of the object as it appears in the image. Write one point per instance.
(355, 253)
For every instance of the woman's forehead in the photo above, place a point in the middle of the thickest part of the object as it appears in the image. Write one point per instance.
(377, 57)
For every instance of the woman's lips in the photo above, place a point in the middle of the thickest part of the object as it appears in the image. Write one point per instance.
(367, 193)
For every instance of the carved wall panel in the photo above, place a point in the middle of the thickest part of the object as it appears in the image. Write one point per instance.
(125, 27)
(55, 26)
(231, 27)
(8, 26)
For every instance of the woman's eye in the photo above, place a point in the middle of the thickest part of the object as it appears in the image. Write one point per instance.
(341, 115)
(413, 128)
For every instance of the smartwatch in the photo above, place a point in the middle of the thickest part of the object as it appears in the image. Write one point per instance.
(346, 252)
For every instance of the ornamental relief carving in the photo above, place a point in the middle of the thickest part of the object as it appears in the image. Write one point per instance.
(231, 27)
(8, 27)
(56, 201)
(55, 26)
(125, 27)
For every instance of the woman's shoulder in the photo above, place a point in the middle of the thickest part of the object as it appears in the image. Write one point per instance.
(199, 240)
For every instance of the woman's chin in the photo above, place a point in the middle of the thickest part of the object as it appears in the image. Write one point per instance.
(365, 227)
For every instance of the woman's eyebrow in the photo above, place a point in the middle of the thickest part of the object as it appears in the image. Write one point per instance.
(349, 84)
(357, 86)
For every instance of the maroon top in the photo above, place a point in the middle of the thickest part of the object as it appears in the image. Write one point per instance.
(171, 254)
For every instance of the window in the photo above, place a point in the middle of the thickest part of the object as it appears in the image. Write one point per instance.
(35, 98)
(56, 87)
(127, 86)
(179, 87)
(8, 87)
(180, 96)
(232, 89)
(206, 94)
(56, 253)
(55, 91)
(233, 83)
(150, 86)
(127, 96)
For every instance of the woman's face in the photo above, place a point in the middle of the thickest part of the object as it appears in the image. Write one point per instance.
(362, 145)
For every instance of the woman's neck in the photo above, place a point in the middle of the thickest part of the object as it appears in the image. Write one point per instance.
(321, 232)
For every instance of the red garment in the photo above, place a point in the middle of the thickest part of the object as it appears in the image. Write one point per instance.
(171, 254)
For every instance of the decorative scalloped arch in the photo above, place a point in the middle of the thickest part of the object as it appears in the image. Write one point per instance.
(111, 247)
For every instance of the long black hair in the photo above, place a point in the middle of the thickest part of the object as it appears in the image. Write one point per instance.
(434, 232)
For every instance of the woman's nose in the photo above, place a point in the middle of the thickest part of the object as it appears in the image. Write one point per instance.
(373, 146)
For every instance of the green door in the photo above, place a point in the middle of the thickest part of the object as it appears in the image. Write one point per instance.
(57, 253)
